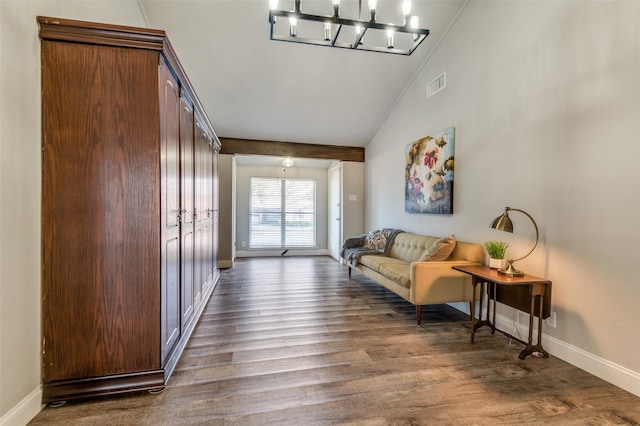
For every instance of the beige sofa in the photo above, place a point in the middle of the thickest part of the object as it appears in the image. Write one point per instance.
(418, 282)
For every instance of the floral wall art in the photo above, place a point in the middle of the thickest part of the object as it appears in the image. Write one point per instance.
(429, 174)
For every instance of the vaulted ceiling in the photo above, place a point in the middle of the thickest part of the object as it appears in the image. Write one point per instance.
(254, 88)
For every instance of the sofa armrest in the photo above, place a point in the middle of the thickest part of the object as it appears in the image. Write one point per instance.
(353, 242)
(436, 282)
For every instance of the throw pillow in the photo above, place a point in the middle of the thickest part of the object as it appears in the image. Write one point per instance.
(376, 240)
(440, 250)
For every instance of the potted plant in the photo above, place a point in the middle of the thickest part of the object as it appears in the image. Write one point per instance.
(496, 251)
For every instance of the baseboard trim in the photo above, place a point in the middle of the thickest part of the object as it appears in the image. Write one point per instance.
(225, 264)
(608, 371)
(77, 389)
(25, 410)
(290, 252)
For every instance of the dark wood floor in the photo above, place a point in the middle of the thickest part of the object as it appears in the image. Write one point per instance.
(291, 341)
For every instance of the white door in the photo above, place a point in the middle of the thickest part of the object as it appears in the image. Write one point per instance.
(334, 228)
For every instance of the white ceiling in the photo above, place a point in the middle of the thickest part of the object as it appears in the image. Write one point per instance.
(255, 88)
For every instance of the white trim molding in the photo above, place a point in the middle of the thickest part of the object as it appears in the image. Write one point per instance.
(25, 410)
(278, 252)
(225, 264)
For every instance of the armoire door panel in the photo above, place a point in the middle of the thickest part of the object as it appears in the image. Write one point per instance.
(100, 226)
(210, 209)
(170, 206)
(187, 208)
(170, 147)
(187, 281)
(170, 296)
(201, 213)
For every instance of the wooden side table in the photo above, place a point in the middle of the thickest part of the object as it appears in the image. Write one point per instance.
(484, 275)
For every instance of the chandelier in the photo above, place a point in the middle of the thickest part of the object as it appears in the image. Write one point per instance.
(336, 31)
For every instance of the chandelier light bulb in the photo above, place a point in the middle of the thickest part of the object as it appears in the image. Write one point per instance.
(406, 12)
(273, 5)
(390, 39)
(327, 31)
(293, 27)
(414, 22)
(372, 8)
(406, 7)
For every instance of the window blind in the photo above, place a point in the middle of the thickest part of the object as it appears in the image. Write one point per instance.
(282, 213)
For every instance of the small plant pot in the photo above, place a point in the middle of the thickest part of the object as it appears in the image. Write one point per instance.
(497, 263)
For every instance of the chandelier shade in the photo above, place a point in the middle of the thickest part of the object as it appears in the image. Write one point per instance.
(333, 30)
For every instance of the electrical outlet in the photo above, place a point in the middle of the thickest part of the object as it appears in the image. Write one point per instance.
(551, 321)
(244, 244)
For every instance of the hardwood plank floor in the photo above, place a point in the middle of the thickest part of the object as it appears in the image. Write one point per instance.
(292, 341)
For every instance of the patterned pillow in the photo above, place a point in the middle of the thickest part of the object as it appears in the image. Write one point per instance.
(377, 240)
(440, 250)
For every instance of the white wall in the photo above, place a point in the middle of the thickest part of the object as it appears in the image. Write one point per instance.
(20, 379)
(352, 198)
(544, 98)
(243, 193)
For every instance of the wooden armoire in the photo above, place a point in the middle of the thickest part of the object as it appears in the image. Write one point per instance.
(129, 209)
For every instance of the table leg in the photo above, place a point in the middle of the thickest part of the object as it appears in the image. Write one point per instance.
(539, 347)
(473, 309)
(493, 323)
(481, 311)
(483, 315)
(530, 349)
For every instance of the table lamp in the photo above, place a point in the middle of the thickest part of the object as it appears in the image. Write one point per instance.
(503, 223)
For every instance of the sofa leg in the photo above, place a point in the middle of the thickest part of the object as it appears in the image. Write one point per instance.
(349, 272)
(419, 313)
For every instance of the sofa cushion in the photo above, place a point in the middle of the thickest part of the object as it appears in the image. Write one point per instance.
(440, 250)
(375, 261)
(371, 261)
(399, 272)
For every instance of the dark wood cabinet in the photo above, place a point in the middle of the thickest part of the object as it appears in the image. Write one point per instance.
(129, 201)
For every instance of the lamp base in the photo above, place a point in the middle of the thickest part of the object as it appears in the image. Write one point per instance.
(511, 271)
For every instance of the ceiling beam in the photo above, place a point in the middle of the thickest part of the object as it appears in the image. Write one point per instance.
(292, 149)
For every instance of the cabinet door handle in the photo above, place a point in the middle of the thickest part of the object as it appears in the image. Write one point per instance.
(179, 214)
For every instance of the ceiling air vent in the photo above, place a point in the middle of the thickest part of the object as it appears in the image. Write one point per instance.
(437, 84)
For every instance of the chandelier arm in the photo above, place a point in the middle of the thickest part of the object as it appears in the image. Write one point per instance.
(535, 225)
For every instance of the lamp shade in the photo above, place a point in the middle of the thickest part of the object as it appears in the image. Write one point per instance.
(502, 223)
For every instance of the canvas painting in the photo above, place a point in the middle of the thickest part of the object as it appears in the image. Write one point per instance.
(429, 174)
